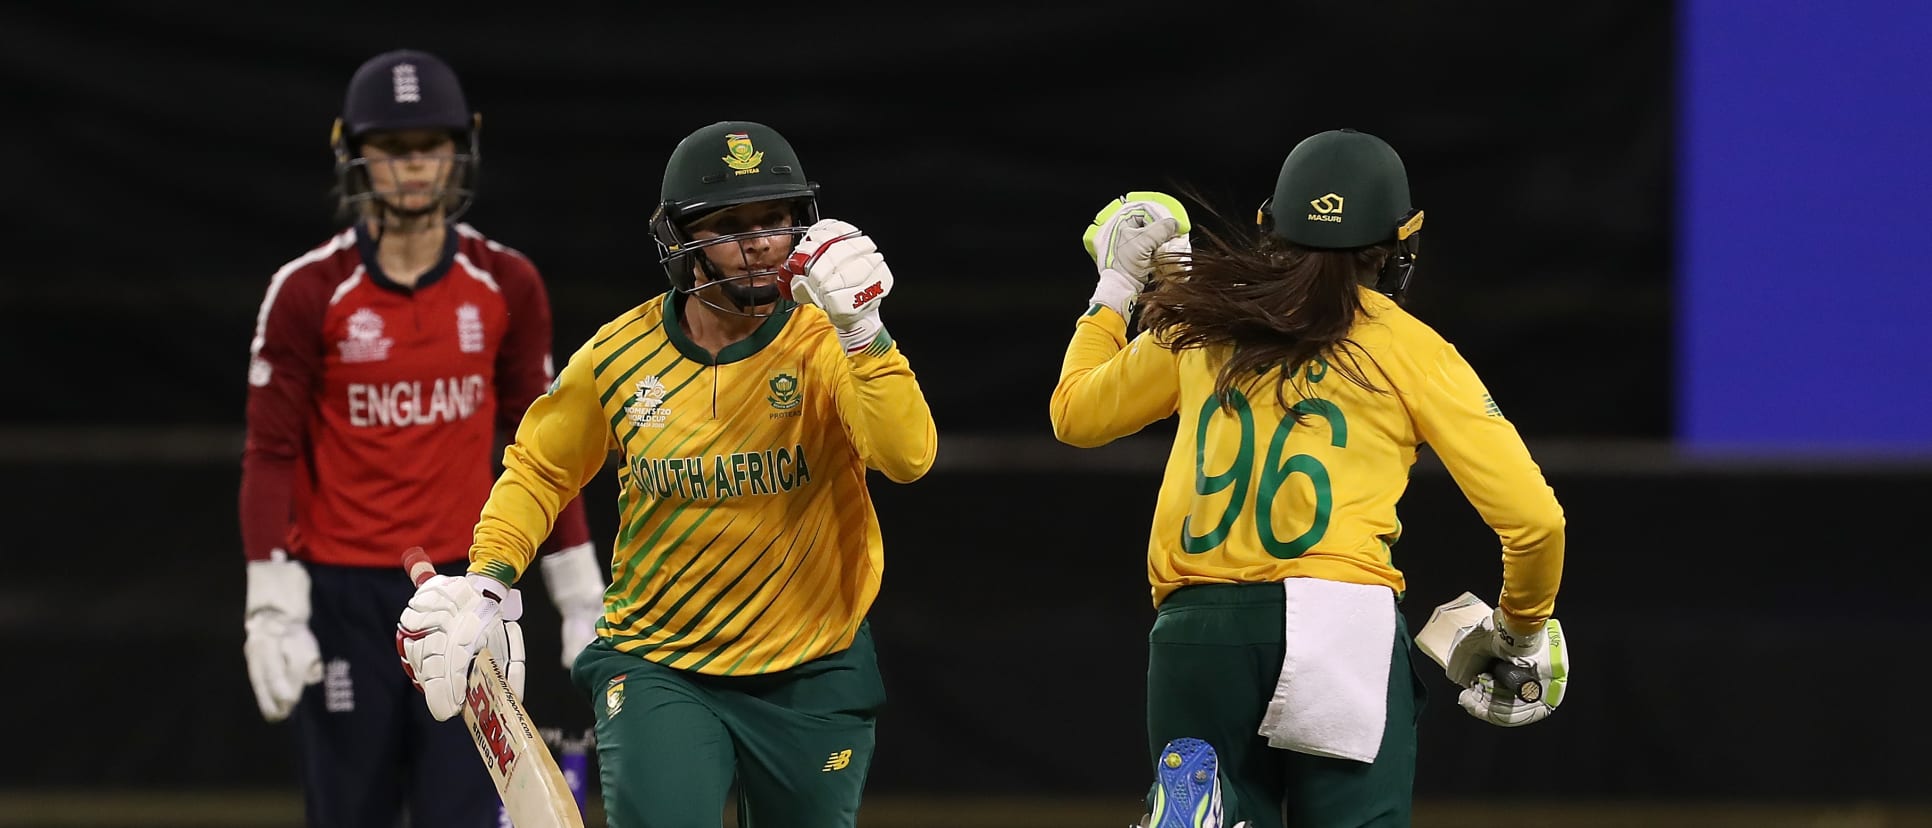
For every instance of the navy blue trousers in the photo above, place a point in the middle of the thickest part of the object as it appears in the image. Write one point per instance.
(370, 751)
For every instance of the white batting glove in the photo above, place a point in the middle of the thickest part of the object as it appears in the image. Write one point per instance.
(447, 621)
(280, 650)
(1551, 664)
(576, 583)
(1122, 242)
(838, 268)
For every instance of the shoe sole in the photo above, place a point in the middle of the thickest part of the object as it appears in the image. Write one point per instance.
(1186, 774)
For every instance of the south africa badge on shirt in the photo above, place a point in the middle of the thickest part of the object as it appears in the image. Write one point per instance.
(647, 407)
(785, 394)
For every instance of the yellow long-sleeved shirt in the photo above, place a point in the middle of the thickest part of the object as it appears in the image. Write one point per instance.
(748, 542)
(1250, 496)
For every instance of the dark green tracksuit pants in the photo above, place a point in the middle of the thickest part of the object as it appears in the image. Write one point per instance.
(670, 742)
(1212, 661)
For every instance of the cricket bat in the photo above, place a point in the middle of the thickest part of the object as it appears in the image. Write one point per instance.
(534, 792)
(1466, 610)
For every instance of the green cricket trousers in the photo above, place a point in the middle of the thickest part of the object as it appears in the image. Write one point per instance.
(1213, 658)
(671, 742)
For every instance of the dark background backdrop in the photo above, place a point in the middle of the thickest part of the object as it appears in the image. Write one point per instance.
(168, 160)
(1743, 630)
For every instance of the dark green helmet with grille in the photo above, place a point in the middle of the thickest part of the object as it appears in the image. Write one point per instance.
(719, 166)
(1344, 189)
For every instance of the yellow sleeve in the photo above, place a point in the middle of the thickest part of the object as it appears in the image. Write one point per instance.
(1108, 389)
(1456, 417)
(884, 412)
(560, 445)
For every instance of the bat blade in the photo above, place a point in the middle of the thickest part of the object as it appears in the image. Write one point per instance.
(534, 792)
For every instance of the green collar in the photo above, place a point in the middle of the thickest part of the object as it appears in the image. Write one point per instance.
(742, 349)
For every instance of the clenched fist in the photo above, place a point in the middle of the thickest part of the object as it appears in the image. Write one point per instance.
(838, 268)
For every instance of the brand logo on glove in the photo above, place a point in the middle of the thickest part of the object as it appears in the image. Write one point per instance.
(488, 730)
(868, 294)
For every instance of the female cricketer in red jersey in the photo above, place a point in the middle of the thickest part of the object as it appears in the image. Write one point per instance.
(1279, 685)
(734, 644)
(384, 365)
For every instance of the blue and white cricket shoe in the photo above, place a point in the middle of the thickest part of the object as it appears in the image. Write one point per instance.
(1187, 790)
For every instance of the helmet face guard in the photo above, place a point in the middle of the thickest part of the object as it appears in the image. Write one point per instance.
(454, 195)
(682, 256)
(725, 165)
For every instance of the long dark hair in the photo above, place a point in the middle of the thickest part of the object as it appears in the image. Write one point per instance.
(1269, 304)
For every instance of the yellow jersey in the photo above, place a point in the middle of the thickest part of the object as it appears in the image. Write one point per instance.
(747, 541)
(1252, 495)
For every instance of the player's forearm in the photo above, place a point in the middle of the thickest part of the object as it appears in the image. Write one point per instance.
(560, 445)
(1508, 491)
(1533, 565)
(571, 529)
(267, 489)
(522, 508)
(890, 416)
(1084, 404)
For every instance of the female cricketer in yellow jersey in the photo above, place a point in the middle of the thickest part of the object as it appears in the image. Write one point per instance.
(1279, 683)
(734, 640)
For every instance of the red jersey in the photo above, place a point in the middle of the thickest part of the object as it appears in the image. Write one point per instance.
(374, 408)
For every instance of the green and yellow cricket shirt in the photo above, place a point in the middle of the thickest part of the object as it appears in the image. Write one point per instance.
(1252, 495)
(747, 541)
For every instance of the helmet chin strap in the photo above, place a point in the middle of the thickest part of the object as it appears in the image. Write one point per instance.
(750, 296)
(388, 215)
(741, 298)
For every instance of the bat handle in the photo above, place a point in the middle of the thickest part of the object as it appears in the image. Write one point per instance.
(416, 563)
(1517, 681)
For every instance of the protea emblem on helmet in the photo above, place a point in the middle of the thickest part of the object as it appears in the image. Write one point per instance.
(743, 157)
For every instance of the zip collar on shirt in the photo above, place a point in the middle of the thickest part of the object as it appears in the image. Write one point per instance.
(366, 246)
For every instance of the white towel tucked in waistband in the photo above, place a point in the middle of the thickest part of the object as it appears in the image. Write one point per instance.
(1332, 697)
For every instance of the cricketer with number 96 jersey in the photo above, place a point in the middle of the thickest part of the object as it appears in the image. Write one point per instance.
(747, 541)
(1251, 495)
(1303, 391)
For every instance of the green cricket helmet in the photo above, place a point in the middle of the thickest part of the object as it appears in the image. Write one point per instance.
(1341, 190)
(723, 165)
